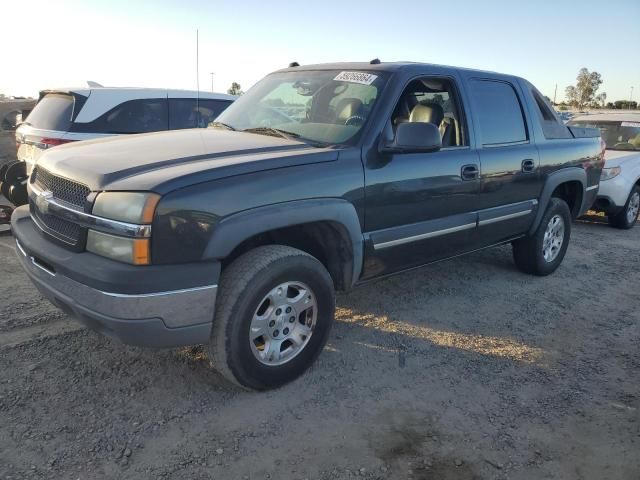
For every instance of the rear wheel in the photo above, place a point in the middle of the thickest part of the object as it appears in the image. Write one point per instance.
(273, 315)
(628, 216)
(542, 252)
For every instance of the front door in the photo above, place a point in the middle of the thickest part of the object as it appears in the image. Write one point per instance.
(421, 207)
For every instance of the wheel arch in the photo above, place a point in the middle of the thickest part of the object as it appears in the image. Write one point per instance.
(570, 185)
(327, 228)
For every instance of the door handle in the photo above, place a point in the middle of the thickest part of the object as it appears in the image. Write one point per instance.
(469, 172)
(528, 165)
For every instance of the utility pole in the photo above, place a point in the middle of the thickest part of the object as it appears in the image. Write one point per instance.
(212, 74)
(555, 92)
(630, 98)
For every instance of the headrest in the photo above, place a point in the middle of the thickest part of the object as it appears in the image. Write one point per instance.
(427, 113)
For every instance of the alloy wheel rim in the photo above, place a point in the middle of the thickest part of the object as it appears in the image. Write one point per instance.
(633, 208)
(553, 238)
(283, 323)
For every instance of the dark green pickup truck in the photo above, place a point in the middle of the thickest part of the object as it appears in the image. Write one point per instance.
(319, 178)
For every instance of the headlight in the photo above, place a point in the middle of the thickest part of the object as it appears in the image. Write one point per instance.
(129, 250)
(130, 207)
(609, 173)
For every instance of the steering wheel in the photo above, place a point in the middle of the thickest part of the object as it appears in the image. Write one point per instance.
(625, 146)
(355, 120)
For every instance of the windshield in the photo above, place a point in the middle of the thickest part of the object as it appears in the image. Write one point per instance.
(617, 135)
(325, 107)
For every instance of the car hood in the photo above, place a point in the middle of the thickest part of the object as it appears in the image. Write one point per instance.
(165, 161)
(617, 158)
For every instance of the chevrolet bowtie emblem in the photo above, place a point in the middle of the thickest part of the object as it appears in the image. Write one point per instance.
(42, 200)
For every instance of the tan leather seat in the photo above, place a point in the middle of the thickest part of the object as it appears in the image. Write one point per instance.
(433, 113)
(346, 108)
(427, 113)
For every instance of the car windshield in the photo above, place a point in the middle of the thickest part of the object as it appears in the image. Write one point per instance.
(618, 135)
(326, 107)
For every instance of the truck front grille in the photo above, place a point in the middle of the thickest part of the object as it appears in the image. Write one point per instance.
(67, 232)
(68, 191)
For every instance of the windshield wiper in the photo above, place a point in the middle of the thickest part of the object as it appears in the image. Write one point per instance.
(274, 132)
(278, 132)
(221, 125)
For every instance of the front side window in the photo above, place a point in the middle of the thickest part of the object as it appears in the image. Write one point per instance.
(432, 100)
(618, 135)
(324, 106)
(499, 112)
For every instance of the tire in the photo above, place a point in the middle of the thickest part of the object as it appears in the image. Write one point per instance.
(529, 252)
(628, 216)
(242, 296)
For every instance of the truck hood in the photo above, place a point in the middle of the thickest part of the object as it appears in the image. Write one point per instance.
(164, 161)
(617, 158)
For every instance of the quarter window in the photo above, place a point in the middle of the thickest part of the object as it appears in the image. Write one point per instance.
(552, 128)
(499, 112)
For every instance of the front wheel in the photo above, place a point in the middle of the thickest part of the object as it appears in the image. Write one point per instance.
(542, 252)
(274, 312)
(628, 216)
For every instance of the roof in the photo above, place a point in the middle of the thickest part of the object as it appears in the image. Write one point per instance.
(382, 67)
(142, 92)
(633, 116)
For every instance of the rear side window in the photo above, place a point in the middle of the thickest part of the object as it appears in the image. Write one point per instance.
(499, 112)
(190, 113)
(134, 116)
(53, 112)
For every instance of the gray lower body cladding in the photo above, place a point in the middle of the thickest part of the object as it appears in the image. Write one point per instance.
(168, 318)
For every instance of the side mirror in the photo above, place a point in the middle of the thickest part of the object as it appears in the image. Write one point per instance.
(415, 137)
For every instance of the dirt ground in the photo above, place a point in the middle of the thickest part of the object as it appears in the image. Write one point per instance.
(463, 370)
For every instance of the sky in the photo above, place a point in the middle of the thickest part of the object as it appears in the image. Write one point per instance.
(141, 43)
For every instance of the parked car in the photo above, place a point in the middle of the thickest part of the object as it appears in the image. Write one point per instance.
(237, 236)
(68, 115)
(619, 195)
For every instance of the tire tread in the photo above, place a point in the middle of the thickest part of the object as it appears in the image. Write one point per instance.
(234, 280)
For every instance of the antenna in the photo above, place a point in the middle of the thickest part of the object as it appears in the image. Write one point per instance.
(198, 76)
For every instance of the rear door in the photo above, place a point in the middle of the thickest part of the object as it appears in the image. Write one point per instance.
(510, 176)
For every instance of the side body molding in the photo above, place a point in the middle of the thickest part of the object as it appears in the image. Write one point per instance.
(236, 228)
(570, 174)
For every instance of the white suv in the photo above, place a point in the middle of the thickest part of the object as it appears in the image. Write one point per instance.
(62, 116)
(619, 193)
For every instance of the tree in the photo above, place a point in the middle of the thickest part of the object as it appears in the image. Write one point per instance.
(601, 99)
(235, 89)
(572, 95)
(625, 105)
(584, 91)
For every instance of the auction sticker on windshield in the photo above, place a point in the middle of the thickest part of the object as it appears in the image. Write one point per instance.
(356, 77)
